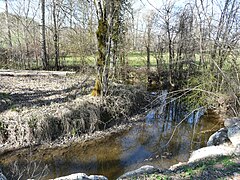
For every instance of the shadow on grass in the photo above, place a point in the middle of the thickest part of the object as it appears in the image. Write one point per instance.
(39, 98)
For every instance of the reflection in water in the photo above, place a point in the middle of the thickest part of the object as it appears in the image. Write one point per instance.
(145, 143)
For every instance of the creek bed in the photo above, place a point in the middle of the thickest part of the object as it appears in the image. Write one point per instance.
(147, 142)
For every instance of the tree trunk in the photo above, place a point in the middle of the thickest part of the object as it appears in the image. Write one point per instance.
(148, 49)
(170, 51)
(102, 48)
(55, 37)
(44, 49)
(8, 25)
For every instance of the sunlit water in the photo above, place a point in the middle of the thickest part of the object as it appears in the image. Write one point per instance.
(159, 140)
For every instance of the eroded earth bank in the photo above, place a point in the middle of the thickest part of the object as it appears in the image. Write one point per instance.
(45, 108)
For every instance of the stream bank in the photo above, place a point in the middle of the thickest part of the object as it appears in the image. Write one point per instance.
(144, 141)
(115, 150)
(56, 109)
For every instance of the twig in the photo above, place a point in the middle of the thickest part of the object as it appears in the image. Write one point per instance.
(180, 124)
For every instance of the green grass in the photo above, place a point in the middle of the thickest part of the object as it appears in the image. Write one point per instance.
(196, 170)
(158, 177)
(189, 172)
(4, 95)
(134, 59)
(228, 162)
(138, 59)
(71, 60)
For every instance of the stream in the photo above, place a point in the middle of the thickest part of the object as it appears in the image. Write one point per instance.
(161, 139)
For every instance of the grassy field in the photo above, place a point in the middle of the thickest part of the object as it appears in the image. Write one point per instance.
(70, 60)
(135, 59)
(138, 59)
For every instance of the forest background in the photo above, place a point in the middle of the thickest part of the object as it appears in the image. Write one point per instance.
(174, 45)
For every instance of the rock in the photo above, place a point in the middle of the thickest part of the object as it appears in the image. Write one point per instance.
(217, 142)
(231, 121)
(2, 177)
(237, 150)
(236, 175)
(175, 166)
(219, 137)
(234, 134)
(233, 126)
(142, 170)
(211, 151)
(95, 177)
(81, 176)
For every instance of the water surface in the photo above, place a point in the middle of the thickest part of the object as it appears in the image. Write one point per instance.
(146, 143)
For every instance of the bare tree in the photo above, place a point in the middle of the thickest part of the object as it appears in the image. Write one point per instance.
(185, 42)
(8, 24)
(150, 19)
(44, 49)
(55, 34)
(167, 15)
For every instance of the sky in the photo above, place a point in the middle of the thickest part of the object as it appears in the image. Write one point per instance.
(138, 3)
(2, 7)
(142, 7)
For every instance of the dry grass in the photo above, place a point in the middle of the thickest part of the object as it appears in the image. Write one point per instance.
(44, 109)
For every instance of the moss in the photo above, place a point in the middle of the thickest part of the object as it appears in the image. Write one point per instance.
(97, 88)
(102, 34)
(102, 39)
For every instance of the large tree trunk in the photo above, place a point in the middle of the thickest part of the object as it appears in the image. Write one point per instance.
(108, 13)
(103, 48)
